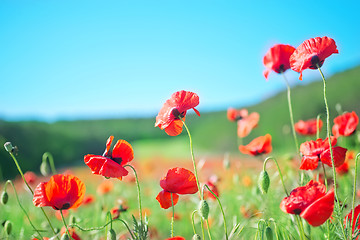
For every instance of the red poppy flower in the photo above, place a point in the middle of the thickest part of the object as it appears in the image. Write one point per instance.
(308, 127)
(348, 218)
(176, 238)
(234, 115)
(175, 107)
(319, 150)
(260, 145)
(208, 194)
(177, 181)
(88, 199)
(312, 53)
(345, 124)
(277, 59)
(71, 231)
(111, 164)
(310, 202)
(61, 192)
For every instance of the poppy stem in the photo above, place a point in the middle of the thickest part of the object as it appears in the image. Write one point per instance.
(318, 125)
(301, 227)
(173, 214)
(208, 228)
(222, 210)
(17, 198)
(193, 159)
(280, 174)
(49, 156)
(32, 192)
(107, 217)
(325, 177)
(331, 151)
(139, 192)
(66, 227)
(354, 194)
(193, 221)
(291, 113)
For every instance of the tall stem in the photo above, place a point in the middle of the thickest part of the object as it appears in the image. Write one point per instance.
(318, 126)
(138, 190)
(208, 228)
(66, 227)
(301, 227)
(354, 194)
(291, 113)
(173, 214)
(331, 150)
(280, 174)
(325, 177)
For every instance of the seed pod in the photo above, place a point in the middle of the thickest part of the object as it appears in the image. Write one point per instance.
(204, 209)
(269, 233)
(196, 237)
(8, 227)
(65, 237)
(111, 235)
(8, 146)
(45, 168)
(4, 197)
(264, 182)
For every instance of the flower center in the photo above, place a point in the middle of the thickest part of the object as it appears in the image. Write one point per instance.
(177, 114)
(315, 62)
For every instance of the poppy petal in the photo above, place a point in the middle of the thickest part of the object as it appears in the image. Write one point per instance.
(40, 199)
(108, 144)
(320, 210)
(164, 198)
(175, 127)
(179, 180)
(104, 166)
(196, 111)
(124, 151)
(309, 162)
(260, 145)
(339, 154)
(247, 124)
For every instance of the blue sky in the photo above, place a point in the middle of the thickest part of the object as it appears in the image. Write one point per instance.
(100, 59)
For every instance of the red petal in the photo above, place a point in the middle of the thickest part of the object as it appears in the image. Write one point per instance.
(104, 166)
(185, 100)
(40, 199)
(108, 144)
(123, 150)
(339, 154)
(320, 210)
(175, 128)
(196, 111)
(247, 124)
(309, 162)
(349, 216)
(260, 145)
(179, 180)
(277, 58)
(176, 238)
(164, 198)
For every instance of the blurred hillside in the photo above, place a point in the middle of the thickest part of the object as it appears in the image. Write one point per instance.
(212, 133)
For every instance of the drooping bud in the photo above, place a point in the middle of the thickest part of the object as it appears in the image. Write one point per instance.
(4, 197)
(269, 233)
(196, 237)
(8, 146)
(204, 209)
(45, 168)
(8, 227)
(72, 220)
(264, 182)
(111, 235)
(65, 237)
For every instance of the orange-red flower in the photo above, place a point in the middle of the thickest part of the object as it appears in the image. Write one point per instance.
(111, 163)
(348, 219)
(319, 150)
(174, 108)
(260, 145)
(88, 199)
(213, 188)
(312, 53)
(234, 114)
(345, 124)
(246, 124)
(71, 231)
(308, 127)
(344, 168)
(30, 177)
(61, 192)
(277, 59)
(176, 238)
(177, 181)
(311, 202)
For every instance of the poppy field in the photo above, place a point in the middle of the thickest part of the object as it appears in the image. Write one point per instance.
(308, 192)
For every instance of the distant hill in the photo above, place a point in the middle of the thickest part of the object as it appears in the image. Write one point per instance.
(212, 133)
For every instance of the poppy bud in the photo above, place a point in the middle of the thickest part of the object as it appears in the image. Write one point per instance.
(8, 146)
(4, 197)
(72, 220)
(111, 235)
(196, 237)
(45, 168)
(269, 233)
(264, 182)
(65, 237)
(8, 227)
(204, 209)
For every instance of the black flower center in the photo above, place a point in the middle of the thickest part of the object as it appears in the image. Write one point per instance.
(177, 114)
(315, 62)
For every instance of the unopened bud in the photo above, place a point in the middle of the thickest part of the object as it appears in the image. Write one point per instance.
(196, 237)
(264, 182)
(111, 235)
(8, 146)
(45, 168)
(204, 209)
(269, 233)
(8, 227)
(65, 237)
(72, 220)
(4, 197)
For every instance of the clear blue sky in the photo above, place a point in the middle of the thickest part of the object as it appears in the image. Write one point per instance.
(94, 59)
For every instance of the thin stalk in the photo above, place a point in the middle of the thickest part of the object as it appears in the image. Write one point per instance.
(318, 126)
(49, 156)
(222, 211)
(108, 215)
(331, 150)
(193, 158)
(17, 198)
(66, 227)
(325, 177)
(280, 174)
(354, 194)
(301, 227)
(193, 221)
(173, 214)
(291, 113)
(138, 189)
(208, 229)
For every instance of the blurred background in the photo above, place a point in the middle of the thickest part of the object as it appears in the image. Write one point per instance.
(75, 72)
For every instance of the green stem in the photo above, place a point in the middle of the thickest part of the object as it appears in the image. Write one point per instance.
(193, 158)
(291, 113)
(331, 151)
(108, 216)
(273, 221)
(325, 177)
(354, 194)
(49, 156)
(301, 227)
(193, 221)
(66, 227)
(222, 211)
(202, 228)
(139, 192)
(208, 229)
(318, 126)
(18, 200)
(280, 174)
(173, 214)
